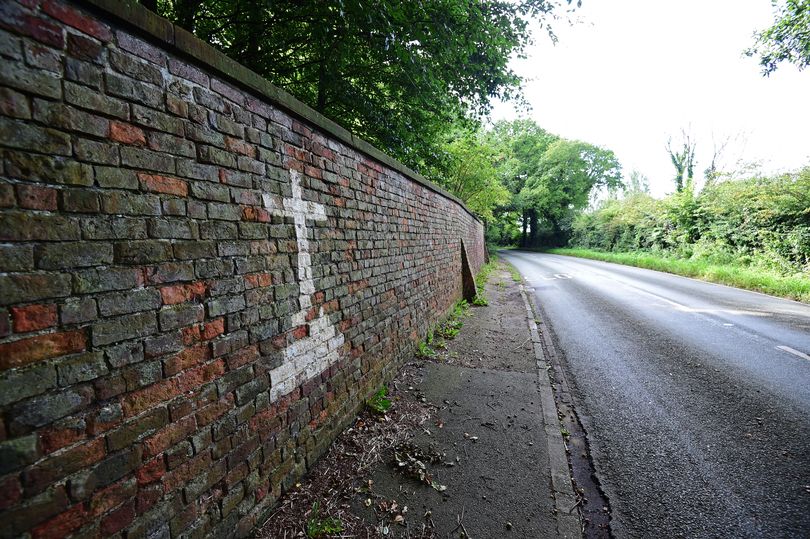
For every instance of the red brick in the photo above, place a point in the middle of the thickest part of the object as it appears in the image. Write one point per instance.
(300, 332)
(151, 471)
(256, 280)
(53, 438)
(63, 524)
(186, 472)
(240, 146)
(17, 20)
(118, 520)
(78, 20)
(147, 498)
(112, 496)
(181, 293)
(213, 329)
(35, 197)
(191, 334)
(208, 414)
(166, 390)
(84, 48)
(127, 133)
(163, 184)
(170, 436)
(33, 349)
(186, 359)
(243, 356)
(33, 317)
(10, 491)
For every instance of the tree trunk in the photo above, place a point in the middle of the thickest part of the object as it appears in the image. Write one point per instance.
(524, 222)
(532, 228)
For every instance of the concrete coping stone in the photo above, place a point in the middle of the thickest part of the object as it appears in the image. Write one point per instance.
(170, 36)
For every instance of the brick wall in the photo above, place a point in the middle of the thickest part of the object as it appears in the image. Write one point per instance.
(200, 278)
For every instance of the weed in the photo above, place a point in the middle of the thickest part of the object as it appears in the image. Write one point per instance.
(424, 351)
(514, 273)
(318, 526)
(480, 301)
(379, 403)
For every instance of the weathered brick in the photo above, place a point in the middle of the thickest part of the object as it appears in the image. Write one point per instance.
(18, 384)
(210, 191)
(124, 354)
(16, 134)
(82, 368)
(16, 18)
(143, 252)
(84, 48)
(106, 279)
(157, 120)
(36, 197)
(141, 48)
(164, 142)
(78, 310)
(135, 68)
(63, 524)
(14, 104)
(69, 118)
(18, 226)
(124, 328)
(143, 426)
(33, 511)
(144, 299)
(19, 288)
(80, 201)
(83, 73)
(73, 255)
(47, 408)
(33, 317)
(47, 169)
(178, 316)
(32, 349)
(224, 212)
(123, 203)
(93, 151)
(85, 98)
(216, 156)
(37, 478)
(133, 90)
(117, 178)
(147, 160)
(77, 19)
(163, 344)
(170, 272)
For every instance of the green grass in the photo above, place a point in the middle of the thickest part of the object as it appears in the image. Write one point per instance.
(321, 526)
(750, 278)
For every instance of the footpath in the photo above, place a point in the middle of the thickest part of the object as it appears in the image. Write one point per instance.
(465, 443)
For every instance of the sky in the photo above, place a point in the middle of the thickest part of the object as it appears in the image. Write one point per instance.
(629, 74)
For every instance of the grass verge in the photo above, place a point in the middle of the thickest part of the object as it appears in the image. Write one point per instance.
(795, 287)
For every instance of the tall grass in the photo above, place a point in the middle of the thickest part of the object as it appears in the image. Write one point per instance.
(795, 287)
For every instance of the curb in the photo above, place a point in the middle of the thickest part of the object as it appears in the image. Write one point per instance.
(569, 525)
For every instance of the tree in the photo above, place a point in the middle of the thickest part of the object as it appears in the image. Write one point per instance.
(683, 159)
(395, 73)
(787, 40)
(566, 174)
(471, 175)
(638, 183)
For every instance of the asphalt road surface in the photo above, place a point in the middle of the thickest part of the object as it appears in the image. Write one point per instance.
(695, 397)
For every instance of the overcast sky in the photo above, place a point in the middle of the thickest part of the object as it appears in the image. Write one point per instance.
(630, 73)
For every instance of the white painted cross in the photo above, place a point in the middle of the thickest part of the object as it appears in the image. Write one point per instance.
(311, 355)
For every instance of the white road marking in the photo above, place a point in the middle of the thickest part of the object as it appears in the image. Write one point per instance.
(729, 325)
(793, 351)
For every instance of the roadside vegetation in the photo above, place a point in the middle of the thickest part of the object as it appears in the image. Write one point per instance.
(752, 233)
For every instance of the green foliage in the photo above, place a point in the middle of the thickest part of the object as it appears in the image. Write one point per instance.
(762, 222)
(469, 173)
(787, 40)
(424, 350)
(395, 73)
(378, 402)
(318, 526)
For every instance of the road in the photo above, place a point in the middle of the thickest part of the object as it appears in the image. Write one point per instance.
(695, 396)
